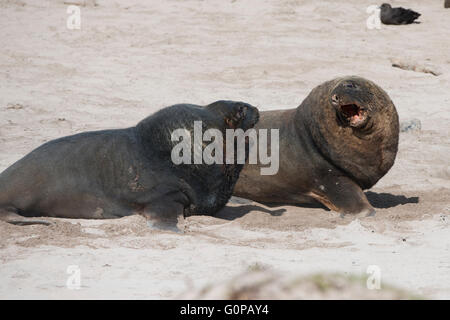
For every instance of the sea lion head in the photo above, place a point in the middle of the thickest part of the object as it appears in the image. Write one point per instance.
(360, 105)
(353, 102)
(354, 124)
(236, 114)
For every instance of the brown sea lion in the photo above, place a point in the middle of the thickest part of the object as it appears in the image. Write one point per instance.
(116, 173)
(341, 140)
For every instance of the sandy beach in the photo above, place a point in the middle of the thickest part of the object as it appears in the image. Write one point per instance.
(132, 58)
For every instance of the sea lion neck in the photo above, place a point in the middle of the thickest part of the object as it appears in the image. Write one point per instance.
(154, 140)
(154, 133)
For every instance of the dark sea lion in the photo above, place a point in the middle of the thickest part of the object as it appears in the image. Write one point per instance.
(116, 173)
(341, 140)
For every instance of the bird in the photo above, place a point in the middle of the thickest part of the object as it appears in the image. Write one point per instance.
(389, 15)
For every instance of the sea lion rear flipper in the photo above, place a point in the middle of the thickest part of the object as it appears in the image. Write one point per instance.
(342, 195)
(10, 216)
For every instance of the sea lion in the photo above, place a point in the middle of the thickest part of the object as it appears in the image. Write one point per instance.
(341, 140)
(116, 173)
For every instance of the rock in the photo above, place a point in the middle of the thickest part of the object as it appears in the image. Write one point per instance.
(410, 125)
(14, 106)
(414, 66)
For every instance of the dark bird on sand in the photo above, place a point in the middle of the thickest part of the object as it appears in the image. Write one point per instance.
(389, 15)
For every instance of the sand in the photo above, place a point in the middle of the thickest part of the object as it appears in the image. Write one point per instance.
(131, 58)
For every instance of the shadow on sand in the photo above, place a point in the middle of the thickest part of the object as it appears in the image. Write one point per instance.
(388, 200)
(377, 200)
(231, 213)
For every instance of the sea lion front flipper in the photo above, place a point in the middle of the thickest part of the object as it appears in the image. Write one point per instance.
(342, 195)
(165, 214)
(10, 215)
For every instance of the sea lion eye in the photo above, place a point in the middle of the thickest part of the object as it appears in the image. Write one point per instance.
(335, 98)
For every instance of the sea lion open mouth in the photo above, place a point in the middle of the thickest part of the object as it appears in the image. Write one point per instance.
(351, 110)
(354, 114)
(350, 113)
